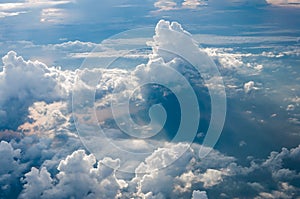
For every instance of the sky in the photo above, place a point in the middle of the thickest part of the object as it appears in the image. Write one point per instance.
(150, 99)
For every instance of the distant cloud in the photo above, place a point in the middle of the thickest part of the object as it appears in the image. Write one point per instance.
(193, 4)
(52, 15)
(294, 3)
(165, 5)
(47, 8)
(290, 107)
(10, 14)
(249, 86)
(199, 195)
(29, 4)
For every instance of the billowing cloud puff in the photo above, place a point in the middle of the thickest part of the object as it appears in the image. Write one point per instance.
(10, 169)
(36, 182)
(24, 82)
(18, 158)
(199, 195)
(81, 175)
(77, 177)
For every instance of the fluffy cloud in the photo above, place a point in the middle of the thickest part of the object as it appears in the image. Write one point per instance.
(10, 169)
(24, 82)
(36, 182)
(20, 157)
(80, 175)
(199, 195)
(48, 119)
(77, 178)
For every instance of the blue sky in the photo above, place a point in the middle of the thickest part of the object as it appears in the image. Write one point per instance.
(49, 21)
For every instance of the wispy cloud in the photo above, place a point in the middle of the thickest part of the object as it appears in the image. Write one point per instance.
(165, 5)
(293, 3)
(47, 8)
(9, 14)
(31, 4)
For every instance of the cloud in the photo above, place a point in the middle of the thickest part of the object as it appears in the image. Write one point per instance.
(193, 4)
(77, 177)
(177, 179)
(47, 8)
(11, 168)
(9, 156)
(80, 175)
(52, 15)
(211, 177)
(54, 165)
(290, 107)
(24, 82)
(249, 86)
(20, 157)
(165, 4)
(29, 4)
(295, 3)
(36, 182)
(9, 14)
(199, 195)
(48, 119)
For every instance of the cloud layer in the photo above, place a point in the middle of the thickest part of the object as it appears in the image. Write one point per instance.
(51, 161)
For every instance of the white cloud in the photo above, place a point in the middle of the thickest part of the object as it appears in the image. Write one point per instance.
(36, 182)
(47, 119)
(193, 4)
(8, 156)
(52, 15)
(212, 177)
(199, 195)
(24, 82)
(249, 86)
(11, 168)
(284, 2)
(165, 4)
(30, 4)
(47, 9)
(9, 14)
(80, 175)
(290, 107)
(77, 178)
